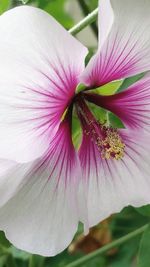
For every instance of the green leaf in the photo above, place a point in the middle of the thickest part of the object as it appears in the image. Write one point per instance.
(76, 132)
(36, 261)
(3, 241)
(80, 87)
(92, 4)
(99, 261)
(115, 121)
(10, 261)
(3, 6)
(129, 81)
(62, 259)
(108, 89)
(56, 8)
(3, 260)
(99, 113)
(145, 210)
(19, 254)
(92, 51)
(144, 250)
(125, 254)
(124, 222)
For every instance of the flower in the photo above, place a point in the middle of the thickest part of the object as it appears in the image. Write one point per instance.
(46, 185)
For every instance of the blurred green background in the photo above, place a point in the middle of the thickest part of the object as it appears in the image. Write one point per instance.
(134, 253)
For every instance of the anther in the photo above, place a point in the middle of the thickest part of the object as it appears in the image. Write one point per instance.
(107, 139)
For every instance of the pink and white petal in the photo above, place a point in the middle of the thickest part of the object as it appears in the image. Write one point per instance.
(126, 51)
(132, 106)
(113, 184)
(39, 71)
(43, 216)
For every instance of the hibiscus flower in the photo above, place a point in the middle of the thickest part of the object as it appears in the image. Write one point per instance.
(47, 185)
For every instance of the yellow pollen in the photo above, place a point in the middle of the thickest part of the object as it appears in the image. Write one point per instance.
(111, 146)
(109, 142)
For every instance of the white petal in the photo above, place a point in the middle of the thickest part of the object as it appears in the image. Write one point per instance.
(43, 215)
(126, 51)
(111, 185)
(39, 68)
(8, 185)
(105, 20)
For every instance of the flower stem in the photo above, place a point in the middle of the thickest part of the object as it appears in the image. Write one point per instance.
(86, 11)
(107, 247)
(85, 22)
(31, 261)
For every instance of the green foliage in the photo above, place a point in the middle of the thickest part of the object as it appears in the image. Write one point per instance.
(129, 81)
(145, 210)
(3, 241)
(115, 122)
(109, 88)
(3, 260)
(92, 4)
(76, 131)
(57, 9)
(91, 52)
(97, 261)
(144, 251)
(3, 6)
(123, 223)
